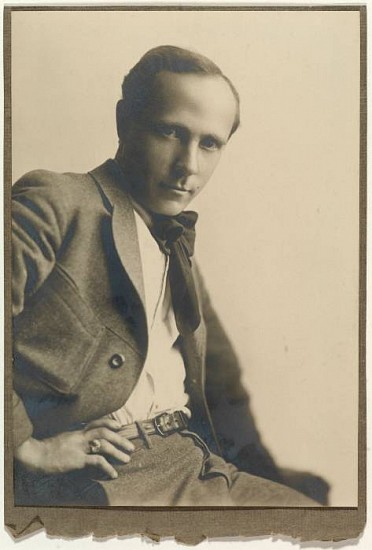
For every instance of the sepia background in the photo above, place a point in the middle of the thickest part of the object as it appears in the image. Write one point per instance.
(278, 228)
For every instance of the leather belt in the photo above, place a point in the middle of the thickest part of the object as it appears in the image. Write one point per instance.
(163, 424)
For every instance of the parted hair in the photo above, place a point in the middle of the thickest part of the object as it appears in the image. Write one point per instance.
(138, 83)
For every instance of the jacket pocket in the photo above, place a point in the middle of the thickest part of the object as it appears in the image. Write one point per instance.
(54, 337)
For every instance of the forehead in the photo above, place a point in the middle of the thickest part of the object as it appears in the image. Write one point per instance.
(205, 102)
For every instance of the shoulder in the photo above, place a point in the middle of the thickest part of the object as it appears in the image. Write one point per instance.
(53, 183)
(63, 193)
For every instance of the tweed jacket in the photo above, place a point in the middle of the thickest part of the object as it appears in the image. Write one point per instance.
(80, 334)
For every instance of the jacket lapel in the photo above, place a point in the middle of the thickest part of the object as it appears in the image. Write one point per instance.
(112, 185)
(109, 178)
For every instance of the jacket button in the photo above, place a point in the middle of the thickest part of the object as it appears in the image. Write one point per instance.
(116, 361)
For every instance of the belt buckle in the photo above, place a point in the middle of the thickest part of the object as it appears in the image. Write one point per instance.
(168, 423)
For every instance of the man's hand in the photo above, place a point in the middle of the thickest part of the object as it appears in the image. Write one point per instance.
(71, 450)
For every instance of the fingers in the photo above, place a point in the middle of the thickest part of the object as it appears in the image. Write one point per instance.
(109, 449)
(111, 436)
(98, 461)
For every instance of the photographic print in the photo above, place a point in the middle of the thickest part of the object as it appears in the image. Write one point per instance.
(185, 269)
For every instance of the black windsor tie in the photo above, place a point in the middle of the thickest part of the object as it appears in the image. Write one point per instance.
(176, 237)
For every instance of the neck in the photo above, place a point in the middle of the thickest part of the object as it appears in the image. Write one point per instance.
(145, 214)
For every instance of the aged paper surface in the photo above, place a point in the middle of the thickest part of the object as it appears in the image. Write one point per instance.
(323, 208)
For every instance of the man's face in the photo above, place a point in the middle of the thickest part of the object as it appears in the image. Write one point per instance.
(170, 154)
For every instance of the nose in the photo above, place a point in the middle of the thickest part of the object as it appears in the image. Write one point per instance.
(187, 162)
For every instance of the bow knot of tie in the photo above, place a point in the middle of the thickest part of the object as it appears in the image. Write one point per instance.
(176, 238)
(170, 229)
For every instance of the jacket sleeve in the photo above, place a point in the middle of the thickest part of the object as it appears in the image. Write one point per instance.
(39, 226)
(229, 402)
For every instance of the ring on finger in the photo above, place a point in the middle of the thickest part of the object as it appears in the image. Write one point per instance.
(94, 446)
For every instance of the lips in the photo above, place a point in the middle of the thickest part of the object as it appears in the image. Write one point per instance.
(176, 188)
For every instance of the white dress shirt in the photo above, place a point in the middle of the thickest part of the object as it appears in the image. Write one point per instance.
(161, 384)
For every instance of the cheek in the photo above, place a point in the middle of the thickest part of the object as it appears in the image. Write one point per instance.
(205, 174)
(208, 166)
(157, 157)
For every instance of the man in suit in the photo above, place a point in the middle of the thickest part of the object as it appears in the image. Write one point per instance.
(127, 391)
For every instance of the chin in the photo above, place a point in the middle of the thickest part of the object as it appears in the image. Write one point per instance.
(168, 209)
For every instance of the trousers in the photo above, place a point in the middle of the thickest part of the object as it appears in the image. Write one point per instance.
(178, 470)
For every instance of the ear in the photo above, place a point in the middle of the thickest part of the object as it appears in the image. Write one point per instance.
(121, 119)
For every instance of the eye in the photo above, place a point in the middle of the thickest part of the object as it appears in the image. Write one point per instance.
(167, 131)
(210, 144)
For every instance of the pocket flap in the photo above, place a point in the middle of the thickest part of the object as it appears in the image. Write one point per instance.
(55, 335)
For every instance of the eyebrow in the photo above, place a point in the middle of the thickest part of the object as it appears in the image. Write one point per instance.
(220, 142)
